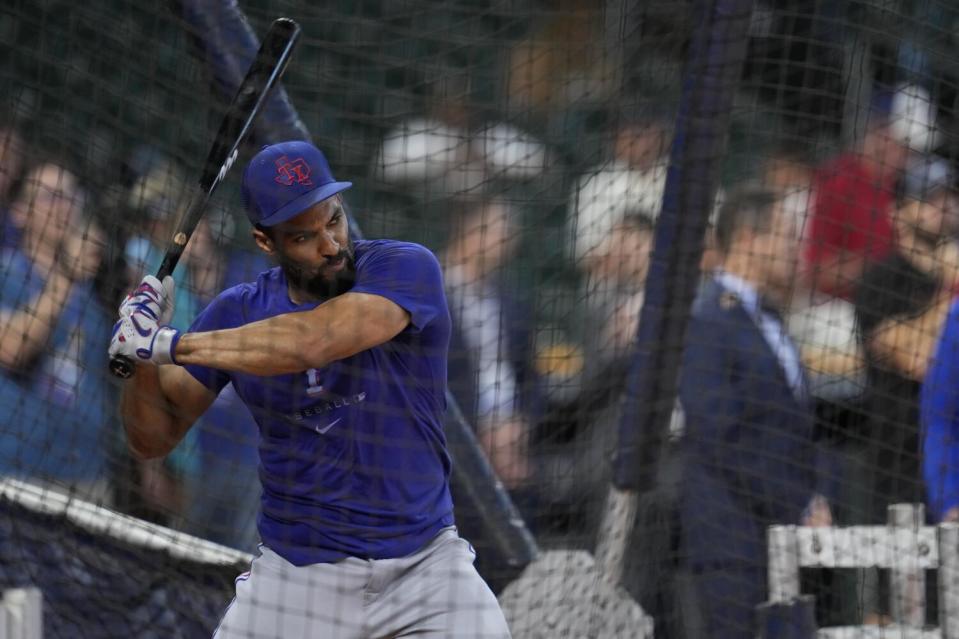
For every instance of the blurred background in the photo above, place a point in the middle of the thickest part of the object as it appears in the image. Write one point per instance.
(528, 144)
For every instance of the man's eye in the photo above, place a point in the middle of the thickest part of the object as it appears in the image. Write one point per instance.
(335, 219)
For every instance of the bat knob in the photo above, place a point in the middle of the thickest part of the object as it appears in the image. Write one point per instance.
(121, 366)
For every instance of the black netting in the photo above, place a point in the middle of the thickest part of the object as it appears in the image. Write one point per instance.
(699, 261)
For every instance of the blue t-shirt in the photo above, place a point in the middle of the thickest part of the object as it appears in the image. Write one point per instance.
(57, 414)
(353, 458)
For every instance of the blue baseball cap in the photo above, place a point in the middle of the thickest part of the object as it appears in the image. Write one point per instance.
(285, 179)
(926, 177)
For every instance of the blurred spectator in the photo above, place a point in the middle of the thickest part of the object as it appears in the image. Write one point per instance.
(578, 435)
(11, 163)
(563, 62)
(217, 259)
(630, 181)
(615, 278)
(157, 199)
(823, 327)
(901, 304)
(53, 391)
(612, 211)
(490, 372)
(452, 149)
(788, 171)
(743, 392)
(854, 193)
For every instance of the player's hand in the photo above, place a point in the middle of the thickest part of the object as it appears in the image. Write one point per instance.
(505, 444)
(152, 297)
(817, 514)
(139, 334)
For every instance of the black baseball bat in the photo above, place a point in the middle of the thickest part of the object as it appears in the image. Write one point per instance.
(267, 68)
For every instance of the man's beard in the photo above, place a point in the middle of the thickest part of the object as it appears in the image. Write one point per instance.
(317, 282)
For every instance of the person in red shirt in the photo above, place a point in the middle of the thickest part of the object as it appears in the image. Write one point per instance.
(853, 197)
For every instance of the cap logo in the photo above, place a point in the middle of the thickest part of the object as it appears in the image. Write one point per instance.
(293, 171)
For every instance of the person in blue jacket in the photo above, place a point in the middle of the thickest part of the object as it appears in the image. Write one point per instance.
(939, 411)
(56, 404)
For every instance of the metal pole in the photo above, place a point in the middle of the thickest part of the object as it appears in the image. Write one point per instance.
(949, 579)
(614, 532)
(907, 581)
(21, 614)
(783, 564)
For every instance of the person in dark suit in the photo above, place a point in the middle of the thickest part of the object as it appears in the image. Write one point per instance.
(747, 456)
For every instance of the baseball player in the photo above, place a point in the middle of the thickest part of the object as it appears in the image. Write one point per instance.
(340, 353)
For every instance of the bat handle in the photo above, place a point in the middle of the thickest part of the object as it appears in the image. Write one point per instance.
(121, 366)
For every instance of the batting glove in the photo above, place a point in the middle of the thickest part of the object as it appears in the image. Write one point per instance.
(139, 334)
(151, 297)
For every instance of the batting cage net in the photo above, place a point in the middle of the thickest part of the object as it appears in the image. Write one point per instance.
(661, 290)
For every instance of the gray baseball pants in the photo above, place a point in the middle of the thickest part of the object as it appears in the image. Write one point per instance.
(433, 593)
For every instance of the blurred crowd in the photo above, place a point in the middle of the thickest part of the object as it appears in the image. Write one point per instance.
(815, 387)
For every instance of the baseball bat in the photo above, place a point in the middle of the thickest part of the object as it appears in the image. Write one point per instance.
(267, 68)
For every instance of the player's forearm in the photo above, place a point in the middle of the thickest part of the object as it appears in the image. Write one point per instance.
(276, 346)
(148, 416)
(827, 360)
(295, 342)
(908, 345)
(25, 332)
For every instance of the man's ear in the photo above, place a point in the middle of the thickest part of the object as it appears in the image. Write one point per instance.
(264, 241)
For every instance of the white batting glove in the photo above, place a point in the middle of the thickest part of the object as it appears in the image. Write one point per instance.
(153, 297)
(139, 334)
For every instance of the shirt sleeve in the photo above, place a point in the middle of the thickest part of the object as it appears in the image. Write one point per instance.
(850, 216)
(939, 411)
(219, 314)
(409, 276)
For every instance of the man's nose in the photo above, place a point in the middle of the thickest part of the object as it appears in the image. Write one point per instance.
(329, 247)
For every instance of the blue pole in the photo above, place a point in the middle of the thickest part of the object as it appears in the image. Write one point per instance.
(223, 38)
(713, 70)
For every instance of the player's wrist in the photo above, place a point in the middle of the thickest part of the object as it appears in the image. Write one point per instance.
(164, 346)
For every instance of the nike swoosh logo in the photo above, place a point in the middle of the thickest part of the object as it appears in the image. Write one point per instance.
(322, 431)
(144, 332)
